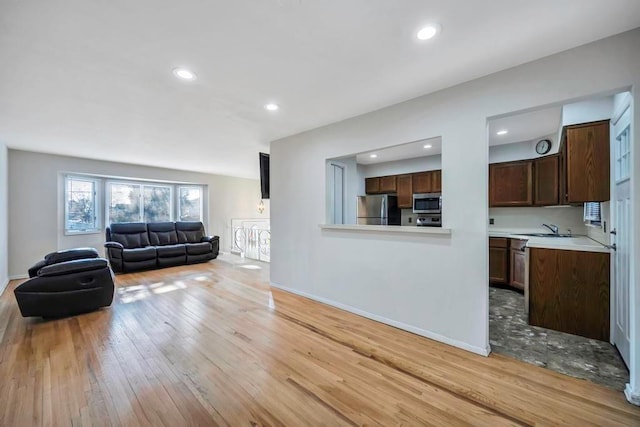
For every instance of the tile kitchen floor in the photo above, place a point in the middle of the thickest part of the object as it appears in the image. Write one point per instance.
(580, 357)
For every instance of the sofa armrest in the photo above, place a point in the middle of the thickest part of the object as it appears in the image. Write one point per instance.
(210, 239)
(33, 271)
(75, 266)
(113, 245)
(70, 255)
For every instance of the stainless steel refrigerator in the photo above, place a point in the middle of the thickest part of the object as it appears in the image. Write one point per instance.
(378, 210)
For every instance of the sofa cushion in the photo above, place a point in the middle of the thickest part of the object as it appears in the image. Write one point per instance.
(139, 254)
(129, 234)
(190, 231)
(198, 248)
(162, 233)
(171, 250)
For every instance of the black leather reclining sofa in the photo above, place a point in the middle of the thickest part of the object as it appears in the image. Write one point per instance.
(136, 246)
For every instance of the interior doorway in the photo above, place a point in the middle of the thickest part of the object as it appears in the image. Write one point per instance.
(621, 226)
(559, 203)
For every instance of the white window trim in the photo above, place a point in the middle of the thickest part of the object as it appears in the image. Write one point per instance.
(102, 198)
(96, 204)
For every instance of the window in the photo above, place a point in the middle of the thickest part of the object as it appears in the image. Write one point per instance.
(124, 203)
(592, 213)
(190, 204)
(130, 202)
(156, 203)
(91, 201)
(80, 205)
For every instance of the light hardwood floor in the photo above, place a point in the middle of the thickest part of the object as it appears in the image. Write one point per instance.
(213, 344)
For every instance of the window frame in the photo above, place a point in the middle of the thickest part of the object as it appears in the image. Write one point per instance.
(589, 210)
(141, 185)
(96, 205)
(177, 197)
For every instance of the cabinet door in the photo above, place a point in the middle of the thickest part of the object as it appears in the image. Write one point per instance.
(388, 184)
(588, 162)
(511, 184)
(569, 291)
(498, 261)
(436, 181)
(422, 182)
(517, 268)
(546, 181)
(372, 185)
(405, 191)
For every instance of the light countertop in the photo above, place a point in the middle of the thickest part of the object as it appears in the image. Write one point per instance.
(575, 243)
(387, 229)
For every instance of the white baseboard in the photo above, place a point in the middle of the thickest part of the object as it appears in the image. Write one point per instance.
(19, 276)
(3, 285)
(418, 331)
(633, 396)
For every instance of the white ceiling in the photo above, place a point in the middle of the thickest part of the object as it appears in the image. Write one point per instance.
(402, 152)
(93, 79)
(525, 126)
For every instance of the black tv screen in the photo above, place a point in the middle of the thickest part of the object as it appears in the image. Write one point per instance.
(264, 175)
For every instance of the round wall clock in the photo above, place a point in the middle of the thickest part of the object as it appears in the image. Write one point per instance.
(543, 146)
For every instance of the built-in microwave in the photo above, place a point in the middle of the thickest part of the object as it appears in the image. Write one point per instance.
(427, 203)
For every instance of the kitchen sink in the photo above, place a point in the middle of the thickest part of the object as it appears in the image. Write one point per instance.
(546, 235)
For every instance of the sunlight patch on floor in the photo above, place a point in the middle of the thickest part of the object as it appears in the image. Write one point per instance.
(131, 294)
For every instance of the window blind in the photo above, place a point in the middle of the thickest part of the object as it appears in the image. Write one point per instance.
(592, 212)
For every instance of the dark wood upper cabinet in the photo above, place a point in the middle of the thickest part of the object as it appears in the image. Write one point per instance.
(372, 185)
(546, 186)
(436, 181)
(404, 184)
(587, 162)
(422, 182)
(388, 184)
(511, 184)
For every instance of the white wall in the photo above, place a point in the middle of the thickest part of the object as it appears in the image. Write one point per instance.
(525, 218)
(587, 111)
(521, 150)
(36, 224)
(397, 167)
(383, 275)
(4, 206)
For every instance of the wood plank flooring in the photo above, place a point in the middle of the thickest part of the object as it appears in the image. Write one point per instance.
(213, 344)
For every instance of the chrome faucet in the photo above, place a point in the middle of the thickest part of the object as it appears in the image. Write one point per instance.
(552, 227)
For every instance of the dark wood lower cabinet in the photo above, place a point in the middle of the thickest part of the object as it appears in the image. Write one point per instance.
(569, 292)
(517, 263)
(498, 265)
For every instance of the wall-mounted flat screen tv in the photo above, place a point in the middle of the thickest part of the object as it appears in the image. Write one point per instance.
(264, 175)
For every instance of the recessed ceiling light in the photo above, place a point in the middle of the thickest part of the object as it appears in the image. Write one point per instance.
(373, 156)
(271, 107)
(184, 74)
(428, 32)
(428, 146)
(502, 132)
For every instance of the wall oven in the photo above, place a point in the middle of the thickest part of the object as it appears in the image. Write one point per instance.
(427, 203)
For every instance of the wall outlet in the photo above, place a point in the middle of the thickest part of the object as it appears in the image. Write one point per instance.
(491, 221)
(410, 219)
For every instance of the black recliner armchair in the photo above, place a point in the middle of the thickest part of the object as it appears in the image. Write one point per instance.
(65, 283)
